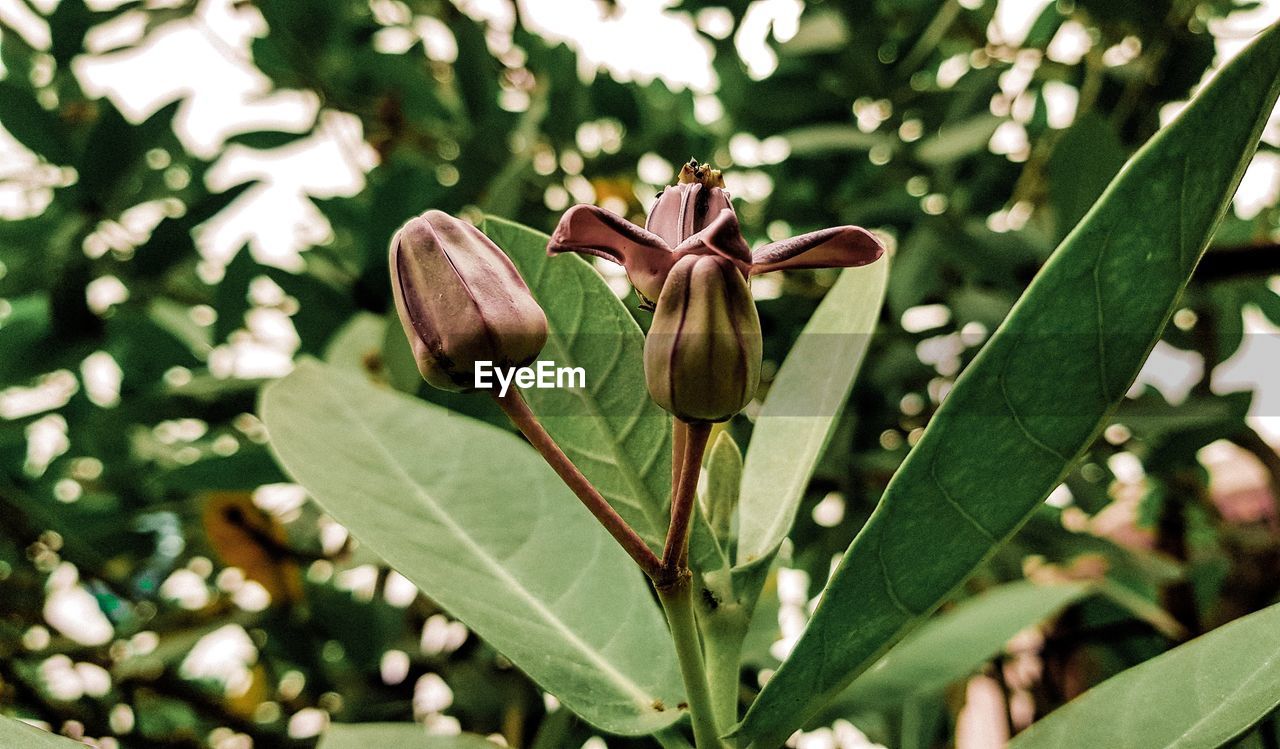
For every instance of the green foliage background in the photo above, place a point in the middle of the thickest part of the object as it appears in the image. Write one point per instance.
(154, 493)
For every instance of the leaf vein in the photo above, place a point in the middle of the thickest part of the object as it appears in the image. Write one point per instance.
(495, 568)
(955, 504)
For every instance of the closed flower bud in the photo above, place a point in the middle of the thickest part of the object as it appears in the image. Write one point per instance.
(702, 354)
(461, 300)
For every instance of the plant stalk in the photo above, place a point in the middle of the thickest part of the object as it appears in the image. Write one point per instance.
(679, 433)
(518, 411)
(723, 632)
(675, 554)
(677, 602)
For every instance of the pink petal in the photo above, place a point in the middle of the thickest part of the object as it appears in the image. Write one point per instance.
(838, 247)
(721, 237)
(590, 230)
(684, 210)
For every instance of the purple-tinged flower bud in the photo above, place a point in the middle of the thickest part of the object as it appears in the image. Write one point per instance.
(461, 300)
(702, 355)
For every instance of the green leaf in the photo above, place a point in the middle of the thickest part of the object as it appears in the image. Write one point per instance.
(470, 514)
(357, 342)
(1085, 158)
(1200, 695)
(34, 126)
(711, 539)
(824, 140)
(1035, 396)
(14, 734)
(611, 429)
(800, 412)
(958, 140)
(398, 735)
(723, 484)
(112, 164)
(957, 643)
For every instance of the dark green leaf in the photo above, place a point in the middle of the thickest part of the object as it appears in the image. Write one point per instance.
(35, 127)
(1036, 395)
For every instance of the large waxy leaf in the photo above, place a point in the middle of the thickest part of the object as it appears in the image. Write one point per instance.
(798, 416)
(1036, 395)
(1200, 695)
(611, 429)
(14, 734)
(397, 735)
(470, 514)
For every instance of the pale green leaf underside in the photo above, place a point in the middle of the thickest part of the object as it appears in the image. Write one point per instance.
(1200, 695)
(470, 514)
(396, 736)
(611, 430)
(1035, 396)
(800, 412)
(14, 734)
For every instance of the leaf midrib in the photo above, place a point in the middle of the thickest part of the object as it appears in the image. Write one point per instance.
(1265, 666)
(625, 684)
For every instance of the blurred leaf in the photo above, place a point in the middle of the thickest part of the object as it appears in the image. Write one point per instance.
(112, 164)
(397, 735)
(14, 734)
(171, 242)
(1200, 695)
(358, 343)
(35, 127)
(820, 140)
(511, 552)
(959, 642)
(1085, 158)
(611, 428)
(959, 140)
(247, 537)
(1036, 395)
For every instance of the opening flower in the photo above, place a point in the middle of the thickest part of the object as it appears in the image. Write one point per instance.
(696, 217)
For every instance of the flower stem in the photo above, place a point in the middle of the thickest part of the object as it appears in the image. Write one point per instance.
(679, 433)
(677, 602)
(518, 411)
(675, 553)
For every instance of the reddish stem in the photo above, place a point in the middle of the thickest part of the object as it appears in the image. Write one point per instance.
(518, 411)
(679, 433)
(675, 554)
